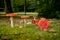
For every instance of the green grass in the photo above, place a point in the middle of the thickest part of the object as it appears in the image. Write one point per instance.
(2, 12)
(27, 33)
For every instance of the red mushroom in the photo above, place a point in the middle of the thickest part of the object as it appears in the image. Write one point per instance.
(10, 14)
(34, 21)
(11, 18)
(24, 17)
(43, 23)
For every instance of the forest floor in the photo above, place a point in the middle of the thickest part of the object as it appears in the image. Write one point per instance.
(30, 31)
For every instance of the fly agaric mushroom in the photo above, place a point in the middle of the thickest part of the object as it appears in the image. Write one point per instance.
(34, 21)
(43, 24)
(24, 17)
(11, 18)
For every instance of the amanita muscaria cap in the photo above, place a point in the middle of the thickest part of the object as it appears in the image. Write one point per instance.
(34, 21)
(25, 17)
(11, 14)
(43, 23)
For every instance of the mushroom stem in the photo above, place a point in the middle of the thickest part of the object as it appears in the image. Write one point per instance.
(11, 20)
(24, 22)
